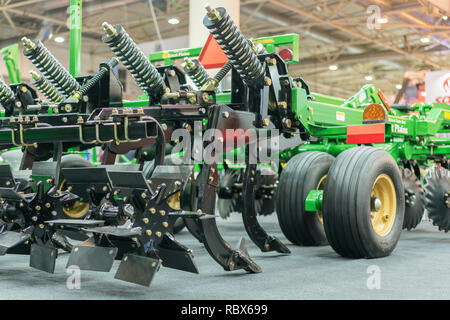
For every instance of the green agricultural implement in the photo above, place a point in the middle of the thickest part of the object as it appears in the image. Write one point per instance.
(11, 58)
(340, 180)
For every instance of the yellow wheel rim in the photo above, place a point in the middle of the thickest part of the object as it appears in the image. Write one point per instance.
(383, 208)
(175, 201)
(76, 210)
(320, 186)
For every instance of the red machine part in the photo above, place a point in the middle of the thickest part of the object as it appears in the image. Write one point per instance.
(366, 133)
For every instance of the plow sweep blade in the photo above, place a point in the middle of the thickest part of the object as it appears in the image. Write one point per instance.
(176, 256)
(137, 269)
(92, 258)
(221, 251)
(10, 239)
(43, 258)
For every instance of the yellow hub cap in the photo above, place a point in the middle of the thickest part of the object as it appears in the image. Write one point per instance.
(76, 210)
(320, 186)
(383, 205)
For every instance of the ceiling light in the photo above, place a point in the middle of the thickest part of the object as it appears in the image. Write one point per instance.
(398, 87)
(382, 20)
(369, 78)
(425, 40)
(173, 20)
(333, 67)
(59, 39)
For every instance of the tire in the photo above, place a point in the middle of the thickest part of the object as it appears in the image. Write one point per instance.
(303, 173)
(75, 161)
(437, 197)
(347, 208)
(414, 199)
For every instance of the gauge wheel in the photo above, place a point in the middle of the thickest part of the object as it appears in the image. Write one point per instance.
(363, 203)
(304, 172)
(76, 210)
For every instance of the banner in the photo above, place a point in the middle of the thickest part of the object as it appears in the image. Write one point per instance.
(437, 86)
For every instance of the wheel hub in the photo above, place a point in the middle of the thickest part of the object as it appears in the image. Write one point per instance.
(77, 210)
(375, 204)
(383, 205)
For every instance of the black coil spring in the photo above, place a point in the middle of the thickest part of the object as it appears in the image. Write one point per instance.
(145, 74)
(196, 72)
(224, 71)
(236, 47)
(104, 69)
(47, 89)
(6, 94)
(51, 68)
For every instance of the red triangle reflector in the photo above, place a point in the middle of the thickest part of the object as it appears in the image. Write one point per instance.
(212, 55)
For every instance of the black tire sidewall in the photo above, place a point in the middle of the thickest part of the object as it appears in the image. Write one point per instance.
(346, 203)
(301, 175)
(375, 244)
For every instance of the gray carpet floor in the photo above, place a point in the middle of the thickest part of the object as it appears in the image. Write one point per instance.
(417, 269)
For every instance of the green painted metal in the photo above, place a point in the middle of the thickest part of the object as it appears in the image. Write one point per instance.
(318, 97)
(313, 201)
(223, 98)
(11, 58)
(169, 57)
(75, 37)
(270, 43)
(408, 135)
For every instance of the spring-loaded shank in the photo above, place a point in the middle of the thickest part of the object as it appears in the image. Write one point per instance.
(47, 89)
(240, 52)
(146, 75)
(50, 67)
(6, 94)
(196, 72)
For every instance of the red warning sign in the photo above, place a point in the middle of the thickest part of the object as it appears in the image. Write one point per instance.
(212, 56)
